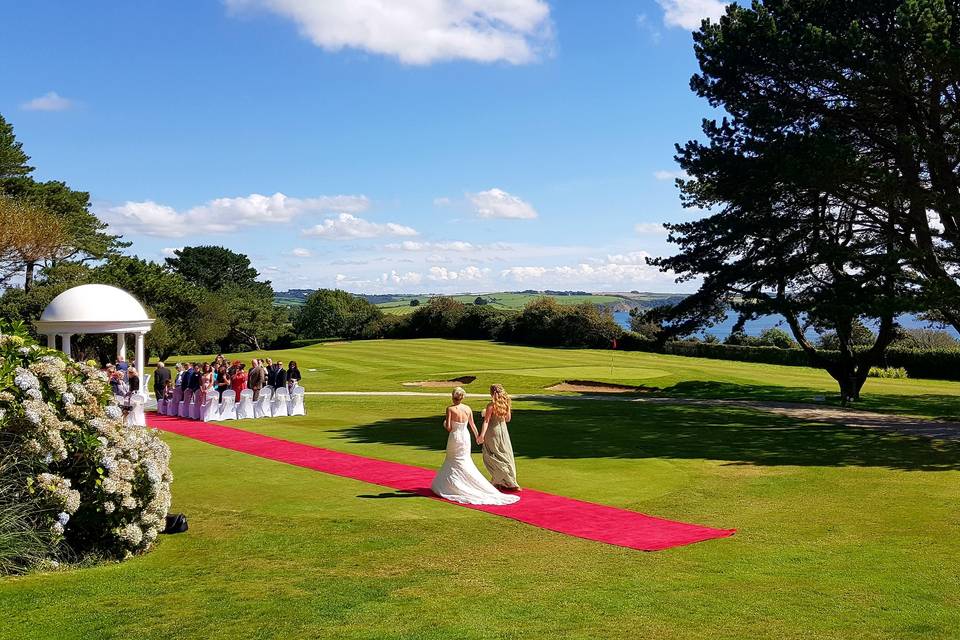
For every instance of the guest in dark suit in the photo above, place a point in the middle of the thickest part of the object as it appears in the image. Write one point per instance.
(271, 374)
(196, 377)
(161, 380)
(280, 381)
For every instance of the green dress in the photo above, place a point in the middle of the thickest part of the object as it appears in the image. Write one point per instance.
(498, 454)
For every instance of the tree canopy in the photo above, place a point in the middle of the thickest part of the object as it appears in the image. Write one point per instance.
(817, 191)
(213, 267)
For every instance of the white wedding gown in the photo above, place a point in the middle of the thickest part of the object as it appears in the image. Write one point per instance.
(459, 480)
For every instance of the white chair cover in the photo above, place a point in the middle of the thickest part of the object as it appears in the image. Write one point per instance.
(211, 408)
(261, 408)
(280, 404)
(296, 402)
(161, 406)
(173, 405)
(136, 415)
(184, 410)
(227, 405)
(245, 406)
(195, 407)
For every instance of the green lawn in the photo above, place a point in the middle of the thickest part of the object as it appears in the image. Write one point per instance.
(384, 365)
(842, 532)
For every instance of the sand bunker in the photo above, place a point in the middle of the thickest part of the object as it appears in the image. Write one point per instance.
(590, 386)
(442, 384)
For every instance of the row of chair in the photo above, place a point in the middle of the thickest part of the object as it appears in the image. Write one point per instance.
(270, 403)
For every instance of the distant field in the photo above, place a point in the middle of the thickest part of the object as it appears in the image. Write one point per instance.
(400, 304)
(515, 301)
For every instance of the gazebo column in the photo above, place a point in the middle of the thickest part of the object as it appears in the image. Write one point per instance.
(52, 340)
(121, 346)
(65, 338)
(141, 363)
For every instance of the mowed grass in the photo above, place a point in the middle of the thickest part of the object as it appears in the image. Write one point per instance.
(384, 365)
(842, 532)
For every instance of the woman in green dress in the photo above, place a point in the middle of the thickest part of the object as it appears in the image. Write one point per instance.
(497, 449)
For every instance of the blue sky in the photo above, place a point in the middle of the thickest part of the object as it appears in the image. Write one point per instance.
(377, 146)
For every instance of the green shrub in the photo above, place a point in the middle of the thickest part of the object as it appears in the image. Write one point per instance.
(97, 485)
(887, 372)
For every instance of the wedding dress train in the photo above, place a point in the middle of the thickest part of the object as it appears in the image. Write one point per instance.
(459, 480)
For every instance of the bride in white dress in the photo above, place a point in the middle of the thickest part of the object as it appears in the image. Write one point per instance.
(459, 480)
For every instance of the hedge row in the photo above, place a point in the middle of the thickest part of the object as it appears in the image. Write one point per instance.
(940, 364)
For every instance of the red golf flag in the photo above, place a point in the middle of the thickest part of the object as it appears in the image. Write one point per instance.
(614, 343)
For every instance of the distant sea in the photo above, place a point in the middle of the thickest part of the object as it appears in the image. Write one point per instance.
(756, 327)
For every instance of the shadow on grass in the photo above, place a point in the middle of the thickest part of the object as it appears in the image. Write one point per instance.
(569, 429)
(938, 405)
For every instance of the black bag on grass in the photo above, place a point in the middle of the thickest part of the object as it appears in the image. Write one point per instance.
(176, 523)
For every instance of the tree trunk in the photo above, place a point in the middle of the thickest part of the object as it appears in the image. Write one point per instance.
(28, 276)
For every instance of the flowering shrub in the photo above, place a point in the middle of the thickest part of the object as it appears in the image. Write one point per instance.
(102, 487)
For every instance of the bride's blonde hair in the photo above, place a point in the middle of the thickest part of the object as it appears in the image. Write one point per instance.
(501, 400)
(458, 394)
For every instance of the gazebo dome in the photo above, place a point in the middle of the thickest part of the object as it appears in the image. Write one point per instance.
(97, 308)
(94, 303)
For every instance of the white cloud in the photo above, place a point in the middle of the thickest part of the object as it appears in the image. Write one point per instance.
(442, 202)
(664, 175)
(468, 274)
(346, 226)
(300, 252)
(50, 101)
(423, 31)
(688, 14)
(222, 215)
(618, 270)
(496, 203)
(649, 228)
(396, 278)
(412, 245)
(170, 251)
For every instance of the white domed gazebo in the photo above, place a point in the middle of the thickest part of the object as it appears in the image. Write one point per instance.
(96, 308)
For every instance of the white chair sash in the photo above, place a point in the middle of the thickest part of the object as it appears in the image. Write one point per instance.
(280, 404)
(136, 416)
(245, 406)
(211, 408)
(184, 410)
(195, 407)
(228, 405)
(261, 408)
(296, 402)
(173, 406)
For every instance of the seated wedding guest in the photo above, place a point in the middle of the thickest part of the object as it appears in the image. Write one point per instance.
(161, 380)
(133, 382)
(238, 381)
(223, 380)
(281, 379)
(114, 379)
(271, 374)
(293, 375)
(256, 378)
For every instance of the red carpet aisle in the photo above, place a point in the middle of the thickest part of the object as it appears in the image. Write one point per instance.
(556, 513)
